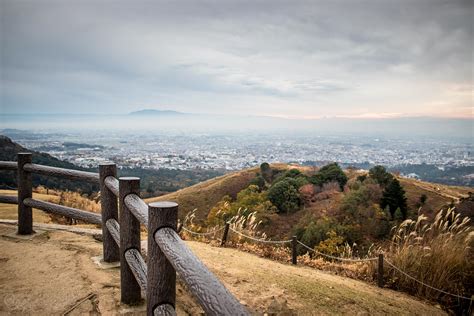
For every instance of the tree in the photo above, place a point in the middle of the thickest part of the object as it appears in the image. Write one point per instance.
(285, 196)
(394, 197)
(294, 176)
(423, 199)
(328, 173)
(292, 173)
(398, 214)
(380, 175)
(266, 171)
(258, 181)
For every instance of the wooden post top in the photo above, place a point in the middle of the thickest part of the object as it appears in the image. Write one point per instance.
(129, 179)
(162, 204)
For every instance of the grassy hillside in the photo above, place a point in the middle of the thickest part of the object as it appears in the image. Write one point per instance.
(202, 196)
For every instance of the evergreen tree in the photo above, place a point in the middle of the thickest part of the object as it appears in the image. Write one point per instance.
(380, 175)
(393, 198)
(398, 214)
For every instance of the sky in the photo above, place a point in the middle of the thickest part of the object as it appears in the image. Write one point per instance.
(291, 59)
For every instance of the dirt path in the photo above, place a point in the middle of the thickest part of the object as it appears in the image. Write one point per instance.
(53, 274)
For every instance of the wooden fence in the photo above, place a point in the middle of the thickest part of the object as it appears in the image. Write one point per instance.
(123, 212)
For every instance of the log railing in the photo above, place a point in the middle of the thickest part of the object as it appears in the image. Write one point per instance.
(167, 253)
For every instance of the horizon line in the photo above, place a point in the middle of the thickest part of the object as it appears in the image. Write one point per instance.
(365, 116)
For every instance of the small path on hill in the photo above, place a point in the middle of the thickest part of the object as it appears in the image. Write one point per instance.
(53, 274)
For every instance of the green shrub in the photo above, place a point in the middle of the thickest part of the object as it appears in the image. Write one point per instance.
(285, 196)
(312, 232)
(328, 173)
(249, 200)
(259, 181)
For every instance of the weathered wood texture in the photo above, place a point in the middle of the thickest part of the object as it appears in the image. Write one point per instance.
(380, 282)
(129, 239)
(63, 173)
(25, 191)
(164, 310)
(224, 235)
(114, 230)
(112, 184)
(75, 213)
(9, 199)
(161, 287)
(294, 243)
(8, 165)
(138, 266)
(211, 294)
(138, 208)
(109, 210)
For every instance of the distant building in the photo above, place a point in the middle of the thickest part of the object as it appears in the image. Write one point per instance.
(412, 176)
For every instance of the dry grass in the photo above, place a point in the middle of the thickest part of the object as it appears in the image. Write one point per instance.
(439, 253)
(66, 198)
(203, 196)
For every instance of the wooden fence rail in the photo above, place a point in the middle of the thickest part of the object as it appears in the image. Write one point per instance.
(61, 172)
(66, 211)
(8, 165)
(8, 199)
(123, 211)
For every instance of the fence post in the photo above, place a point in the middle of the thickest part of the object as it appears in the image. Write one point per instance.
(380, 271)
(129, 238)
(161, 280)
(25, 190)
(293, 250)
(109, 210)
(224, 235)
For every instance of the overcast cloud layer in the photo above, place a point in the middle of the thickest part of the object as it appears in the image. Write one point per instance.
(304, 59)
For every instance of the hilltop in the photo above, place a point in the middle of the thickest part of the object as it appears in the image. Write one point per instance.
(203, 196)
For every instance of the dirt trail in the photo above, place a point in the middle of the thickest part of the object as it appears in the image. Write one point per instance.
(53, 274)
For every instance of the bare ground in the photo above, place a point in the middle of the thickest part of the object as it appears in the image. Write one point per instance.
(53, 274)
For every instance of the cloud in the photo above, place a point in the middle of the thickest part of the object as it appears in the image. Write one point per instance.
(250, 57)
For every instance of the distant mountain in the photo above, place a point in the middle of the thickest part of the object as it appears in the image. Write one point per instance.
(152, 112)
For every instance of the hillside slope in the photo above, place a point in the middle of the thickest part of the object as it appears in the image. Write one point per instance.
(202, 196)
(264, 286)
(205, 195)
